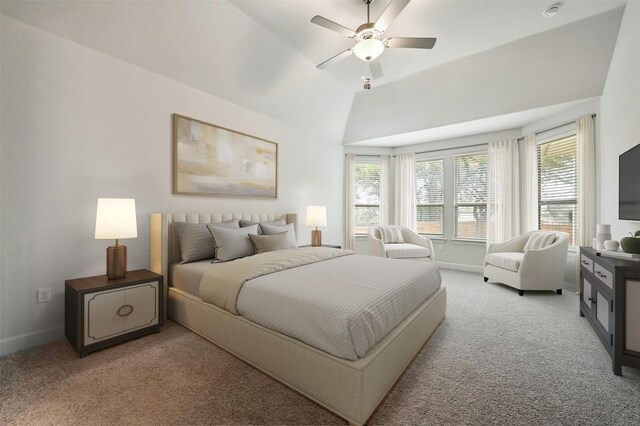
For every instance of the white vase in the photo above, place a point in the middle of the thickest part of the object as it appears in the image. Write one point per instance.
(601, 237)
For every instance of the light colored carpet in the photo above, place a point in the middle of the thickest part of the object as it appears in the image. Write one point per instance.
(498, 358)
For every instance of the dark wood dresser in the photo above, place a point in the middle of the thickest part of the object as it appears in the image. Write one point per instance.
(610, 301)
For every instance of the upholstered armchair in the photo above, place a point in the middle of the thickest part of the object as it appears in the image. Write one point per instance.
(533, 261)
(413, 246)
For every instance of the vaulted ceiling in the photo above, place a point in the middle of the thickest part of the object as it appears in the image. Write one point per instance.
(493, 59)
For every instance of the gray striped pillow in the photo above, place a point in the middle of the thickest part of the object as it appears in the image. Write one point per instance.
(391, 235)
(540, 240)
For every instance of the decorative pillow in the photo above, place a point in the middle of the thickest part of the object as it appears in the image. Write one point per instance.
(540, 240)
(279, 222)
(391, 235)
(265, 243)
(275, 229)
(195, 240)
(232, 243)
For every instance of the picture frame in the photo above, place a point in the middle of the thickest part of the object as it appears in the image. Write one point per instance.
(215, 161)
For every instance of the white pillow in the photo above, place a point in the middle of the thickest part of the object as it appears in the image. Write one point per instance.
(232, 243)
(278, 229)
(540, 240)
(391, 234)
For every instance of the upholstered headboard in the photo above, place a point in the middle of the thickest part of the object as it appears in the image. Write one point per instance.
(165, 249)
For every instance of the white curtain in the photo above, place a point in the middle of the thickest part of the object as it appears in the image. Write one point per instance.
(405, 193)
(529, 176)
(384, 189)
(586, 181)
(350, 213)
(503, 202)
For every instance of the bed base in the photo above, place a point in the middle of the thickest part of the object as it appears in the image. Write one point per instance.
(351, 389)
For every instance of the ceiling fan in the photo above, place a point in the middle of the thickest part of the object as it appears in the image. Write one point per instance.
(369, 41)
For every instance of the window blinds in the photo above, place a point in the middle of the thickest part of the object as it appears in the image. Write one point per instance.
(430, 196)
(367, 195)
(470, 182)
(558, 186)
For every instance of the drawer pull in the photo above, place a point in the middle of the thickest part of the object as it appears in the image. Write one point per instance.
(125, 310)
(600, 274)
(592, 300)
(584, 262)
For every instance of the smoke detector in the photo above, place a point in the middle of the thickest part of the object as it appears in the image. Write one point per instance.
(552, 10)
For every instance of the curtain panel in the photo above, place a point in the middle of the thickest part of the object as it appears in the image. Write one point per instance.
(529, 175)
(586, 181)
(350, 213)
(503, 189)
(385, 160)
(405, 191)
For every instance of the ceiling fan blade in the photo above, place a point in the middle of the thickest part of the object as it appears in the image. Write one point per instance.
(411, 42)
(376, 69)
(390, 13)
(333, 59)
(330, 25)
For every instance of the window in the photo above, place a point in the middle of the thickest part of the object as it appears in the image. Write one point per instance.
(367, 193)
(558, 186)
(430, 196)
(470, 204)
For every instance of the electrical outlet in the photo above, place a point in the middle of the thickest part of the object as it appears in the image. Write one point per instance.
(44, 295)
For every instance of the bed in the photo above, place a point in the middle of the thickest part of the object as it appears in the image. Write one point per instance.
(352, 388)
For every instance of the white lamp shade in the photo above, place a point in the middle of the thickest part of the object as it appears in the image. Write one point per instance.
(116, 219)
(368, 49)
(316, 216)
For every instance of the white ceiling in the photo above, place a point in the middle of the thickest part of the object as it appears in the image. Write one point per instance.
(496, 123)
(462, 27)
(261, 54)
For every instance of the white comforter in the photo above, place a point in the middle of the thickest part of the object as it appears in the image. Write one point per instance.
(343, 306)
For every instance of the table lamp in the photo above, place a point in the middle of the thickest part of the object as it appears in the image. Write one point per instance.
(115, 220)
(316, 216)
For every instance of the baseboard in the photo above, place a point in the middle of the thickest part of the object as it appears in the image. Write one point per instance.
(459, 267)
(31, 340)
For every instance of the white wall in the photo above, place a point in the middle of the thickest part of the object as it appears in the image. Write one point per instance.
(77, 125)
(620, 119)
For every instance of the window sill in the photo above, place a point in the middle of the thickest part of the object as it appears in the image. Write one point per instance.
(463, 241)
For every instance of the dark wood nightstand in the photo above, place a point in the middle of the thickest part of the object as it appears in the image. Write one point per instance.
(100, 312)
(323, 245)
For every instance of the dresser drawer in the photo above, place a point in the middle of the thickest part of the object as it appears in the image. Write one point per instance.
(111, 313)
(603, 275)
(586, 263)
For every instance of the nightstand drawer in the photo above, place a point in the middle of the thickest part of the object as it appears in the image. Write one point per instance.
(111, 313)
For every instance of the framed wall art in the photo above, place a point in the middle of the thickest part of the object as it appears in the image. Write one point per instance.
(214, 161)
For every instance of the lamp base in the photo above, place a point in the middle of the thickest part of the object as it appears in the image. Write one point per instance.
(316, 238)
(116, 262)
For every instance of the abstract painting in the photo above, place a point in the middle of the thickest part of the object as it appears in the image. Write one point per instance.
(212, 160)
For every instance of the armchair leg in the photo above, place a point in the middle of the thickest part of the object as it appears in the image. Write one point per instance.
(559, 291)
(521, 292)
(486, 279)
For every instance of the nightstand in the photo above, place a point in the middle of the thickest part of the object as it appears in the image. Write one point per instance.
(323, 245)
(100, 312)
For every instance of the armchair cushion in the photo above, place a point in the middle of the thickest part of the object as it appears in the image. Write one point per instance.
(406, 250)
(391, 235)
(505, 260)
(540, 240)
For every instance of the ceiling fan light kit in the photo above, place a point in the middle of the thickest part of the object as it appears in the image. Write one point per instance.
(368, 49)
(369, 42)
